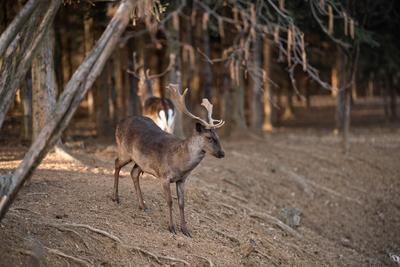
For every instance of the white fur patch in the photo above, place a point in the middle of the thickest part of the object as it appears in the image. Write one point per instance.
(164, 122)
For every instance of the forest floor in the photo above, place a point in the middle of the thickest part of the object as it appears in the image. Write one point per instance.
(350, 205)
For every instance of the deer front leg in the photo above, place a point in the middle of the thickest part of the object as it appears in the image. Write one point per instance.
(168, 198)
(180, 191)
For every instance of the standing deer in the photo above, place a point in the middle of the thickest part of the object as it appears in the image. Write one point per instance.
(141, 141)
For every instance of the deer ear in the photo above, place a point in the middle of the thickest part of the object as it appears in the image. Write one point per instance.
(199, 127)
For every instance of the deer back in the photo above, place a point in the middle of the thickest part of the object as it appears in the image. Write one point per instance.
(141, 140)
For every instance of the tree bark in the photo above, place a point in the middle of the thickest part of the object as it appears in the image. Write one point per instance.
(175, 75)
(44, 86)
(26, 93)
(269, 97)
(343, 101)
(16, 25)
(14, 70)
(206, 74)
(133, 102)
(119, 84)
(392, 94)
(237, 109)
(256, 121)
(75, 90)
(88, 43)
(340, 91)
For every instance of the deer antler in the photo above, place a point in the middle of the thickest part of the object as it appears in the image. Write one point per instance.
(179, 100)
(209, 107)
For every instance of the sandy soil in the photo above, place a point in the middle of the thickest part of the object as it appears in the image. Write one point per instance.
(350, 206)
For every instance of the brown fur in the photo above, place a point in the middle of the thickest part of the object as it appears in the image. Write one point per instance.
(141, 141)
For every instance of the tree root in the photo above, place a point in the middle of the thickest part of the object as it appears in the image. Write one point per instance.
(231, 238)
(58, 253)
(119, 241)
(210, 263)
(275, 221)
(174, 259)
(62, 254)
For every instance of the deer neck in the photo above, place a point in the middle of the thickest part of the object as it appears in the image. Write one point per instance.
(194, 149)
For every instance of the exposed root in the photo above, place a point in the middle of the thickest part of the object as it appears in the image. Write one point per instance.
(210, 263)
(128, 247)
(229, 237)
(98, 231)
(144, 252)
(229, 207)
(275, 221)
(174, 259)
(232, 183)
(75, 259)
(64, 229)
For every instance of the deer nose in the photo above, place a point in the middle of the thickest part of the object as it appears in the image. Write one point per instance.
(220, 154)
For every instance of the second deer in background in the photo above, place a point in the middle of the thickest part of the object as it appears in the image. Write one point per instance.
(161, 110)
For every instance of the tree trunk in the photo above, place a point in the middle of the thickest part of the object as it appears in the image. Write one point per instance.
(269, 97)
(16, 25)
(44, 85)
(75, 90)
(133, 100)
(102, 113)
(343, 100)
(119, 84)
(392, 94)
(175, 73)
(287, 87)
(17, 61)
(256, 121)
(237, 109)
(26, 93)
(206, 73)
(88, 42)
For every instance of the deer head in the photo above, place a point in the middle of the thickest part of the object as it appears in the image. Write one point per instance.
(204, 129)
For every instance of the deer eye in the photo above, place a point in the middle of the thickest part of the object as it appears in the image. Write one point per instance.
(210, 139)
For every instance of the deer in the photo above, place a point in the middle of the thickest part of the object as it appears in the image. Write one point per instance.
(165, 156)
(161, 110)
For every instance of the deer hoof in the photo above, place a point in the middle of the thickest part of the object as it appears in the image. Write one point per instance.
(172, 229)
(186, 232)
(115, 199)
(145, 209)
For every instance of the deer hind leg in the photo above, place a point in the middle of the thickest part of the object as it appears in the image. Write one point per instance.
(135, 174)
(168, 198)
(118, 165)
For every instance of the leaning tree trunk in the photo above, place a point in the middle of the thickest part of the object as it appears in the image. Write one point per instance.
(75, 90)
(17, 24)
(18, 57)
(44, 87)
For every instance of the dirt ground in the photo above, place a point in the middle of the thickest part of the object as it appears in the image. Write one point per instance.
(350, 205)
